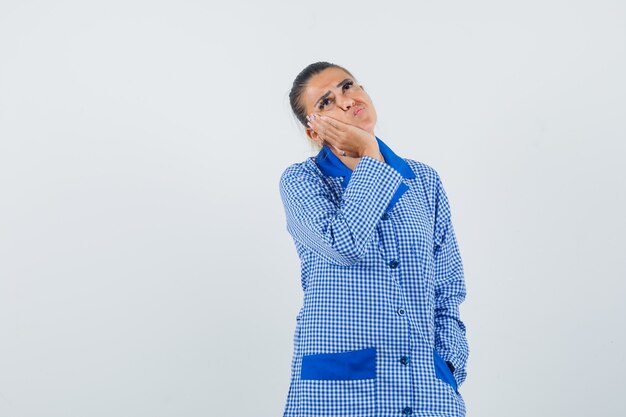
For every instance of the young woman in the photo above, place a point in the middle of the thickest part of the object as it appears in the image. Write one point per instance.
(379, 332)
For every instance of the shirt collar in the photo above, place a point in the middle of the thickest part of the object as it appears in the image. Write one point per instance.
(332, 166)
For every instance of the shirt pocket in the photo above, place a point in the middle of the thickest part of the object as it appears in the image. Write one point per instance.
(443, 372)
(340, 397)
(339, 383)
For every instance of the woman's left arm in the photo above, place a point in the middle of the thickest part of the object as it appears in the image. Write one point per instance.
(450, 335)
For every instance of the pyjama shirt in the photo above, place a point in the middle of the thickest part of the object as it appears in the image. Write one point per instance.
(382, 278)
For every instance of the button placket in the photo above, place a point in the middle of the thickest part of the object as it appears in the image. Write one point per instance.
(390, 252)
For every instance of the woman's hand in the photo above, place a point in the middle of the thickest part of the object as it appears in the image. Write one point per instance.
(355, 141)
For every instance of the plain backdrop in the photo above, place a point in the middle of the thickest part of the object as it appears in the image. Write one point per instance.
(145, 267)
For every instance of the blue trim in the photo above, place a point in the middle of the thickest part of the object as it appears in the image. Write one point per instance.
(401, 189)
(442, 371)
(353, 364)
(332, 166)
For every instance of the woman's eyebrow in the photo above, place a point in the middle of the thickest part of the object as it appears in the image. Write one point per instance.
(328, 92)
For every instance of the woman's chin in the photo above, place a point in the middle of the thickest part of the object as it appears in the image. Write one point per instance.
(368, 127)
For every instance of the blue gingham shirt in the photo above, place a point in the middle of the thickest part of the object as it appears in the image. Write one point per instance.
(383, 279)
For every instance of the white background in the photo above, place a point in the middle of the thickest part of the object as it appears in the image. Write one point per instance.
(145, 268)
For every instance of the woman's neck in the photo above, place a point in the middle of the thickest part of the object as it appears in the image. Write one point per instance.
(349, 161)
(352, 162)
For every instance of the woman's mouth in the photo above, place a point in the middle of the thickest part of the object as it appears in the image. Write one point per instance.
(358, 111)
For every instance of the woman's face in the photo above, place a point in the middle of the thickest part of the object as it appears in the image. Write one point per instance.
(335, 93)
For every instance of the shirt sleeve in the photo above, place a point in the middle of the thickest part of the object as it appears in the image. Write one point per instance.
(338, 232)
(450, 291)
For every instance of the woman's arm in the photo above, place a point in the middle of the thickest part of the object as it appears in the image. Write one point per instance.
(450, 334)
(339, 233)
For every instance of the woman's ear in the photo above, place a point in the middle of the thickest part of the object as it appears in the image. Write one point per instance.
(312, 134)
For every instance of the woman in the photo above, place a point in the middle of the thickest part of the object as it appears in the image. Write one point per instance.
(379, 332)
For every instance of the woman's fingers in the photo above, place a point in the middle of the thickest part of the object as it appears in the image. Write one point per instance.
(322, 135)
(333, 123)
(332, 127)
(340, 135)
(327, 127)
(322, 128)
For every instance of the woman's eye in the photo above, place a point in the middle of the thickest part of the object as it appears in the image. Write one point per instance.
(326, 100)
(323, 102)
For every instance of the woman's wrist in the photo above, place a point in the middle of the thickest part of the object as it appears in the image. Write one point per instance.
(373, 152)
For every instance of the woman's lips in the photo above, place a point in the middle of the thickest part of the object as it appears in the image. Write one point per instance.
(358, 111)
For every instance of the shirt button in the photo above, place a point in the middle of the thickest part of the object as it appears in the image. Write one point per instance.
(401, 311)
(407, 410)
(385, 216)
(404, 360)
(393, 264)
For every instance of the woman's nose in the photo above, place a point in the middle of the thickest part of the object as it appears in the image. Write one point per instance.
(346, 103)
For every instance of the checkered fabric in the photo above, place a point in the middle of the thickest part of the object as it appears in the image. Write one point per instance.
(382, 279)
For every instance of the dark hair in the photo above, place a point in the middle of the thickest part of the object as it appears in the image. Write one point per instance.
(299, 84)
